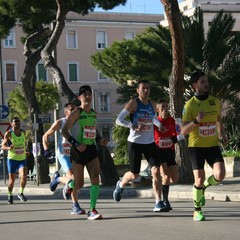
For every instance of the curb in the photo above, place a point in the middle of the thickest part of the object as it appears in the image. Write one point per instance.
(129, 192)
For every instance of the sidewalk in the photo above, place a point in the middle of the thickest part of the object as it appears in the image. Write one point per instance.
(228, 190)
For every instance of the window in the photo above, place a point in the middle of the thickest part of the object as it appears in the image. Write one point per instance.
(73, 72)
(10, 42)
(129, 35)
(104, 102)
(10, 71)
(185, 8)
(71, 39)
(101, 39)
(41, 72)
(102, 78)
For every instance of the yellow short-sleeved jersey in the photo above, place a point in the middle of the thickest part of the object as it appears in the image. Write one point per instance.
(205, 134)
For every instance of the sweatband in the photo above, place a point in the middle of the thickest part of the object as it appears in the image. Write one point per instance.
(73, 141)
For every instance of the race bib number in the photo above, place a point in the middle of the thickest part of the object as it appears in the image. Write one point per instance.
(207, 129)
(66, 149)
(165, 143)
(89, 132)
(147, 123)
(19, 150)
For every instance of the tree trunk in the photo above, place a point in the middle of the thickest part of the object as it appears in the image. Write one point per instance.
(50, 62)
(108, 171)
(176, 82)
(28, 80)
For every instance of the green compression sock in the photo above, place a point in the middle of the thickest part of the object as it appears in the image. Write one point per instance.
(71, 184)
(210, 181)
(21, 190)
(94, 192)
(197, 195)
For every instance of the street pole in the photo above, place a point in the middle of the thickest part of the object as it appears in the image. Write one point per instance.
(55, 113)
(36, 150)
(1, 103)
(1, 75)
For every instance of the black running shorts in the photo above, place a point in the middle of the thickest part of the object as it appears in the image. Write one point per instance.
(199, 155)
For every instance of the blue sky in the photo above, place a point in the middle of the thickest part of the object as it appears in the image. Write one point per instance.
(140, 6)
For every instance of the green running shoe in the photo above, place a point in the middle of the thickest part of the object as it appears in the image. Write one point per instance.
(198, 216)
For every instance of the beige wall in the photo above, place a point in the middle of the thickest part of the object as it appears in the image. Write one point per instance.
(115, 25)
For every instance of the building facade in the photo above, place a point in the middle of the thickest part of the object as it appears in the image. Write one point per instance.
(82, 37)
(210, 8)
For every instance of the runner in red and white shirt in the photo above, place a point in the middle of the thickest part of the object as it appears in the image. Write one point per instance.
(165, 141)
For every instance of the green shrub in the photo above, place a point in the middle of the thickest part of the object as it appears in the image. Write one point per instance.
(231, 153)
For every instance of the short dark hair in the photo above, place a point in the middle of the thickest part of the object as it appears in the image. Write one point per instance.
(195, 76)
(15, 118)
(83, 89)
(143, 81)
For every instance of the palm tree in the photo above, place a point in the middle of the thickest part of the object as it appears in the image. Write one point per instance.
(218, 55)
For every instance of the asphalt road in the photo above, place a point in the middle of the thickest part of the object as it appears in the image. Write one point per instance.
(48, 217)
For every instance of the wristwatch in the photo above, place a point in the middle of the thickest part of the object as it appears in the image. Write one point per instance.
(195, 121)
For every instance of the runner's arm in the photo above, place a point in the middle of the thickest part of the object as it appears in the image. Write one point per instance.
(55, 126)
(221, 132)
(129, 108)
(6, 140)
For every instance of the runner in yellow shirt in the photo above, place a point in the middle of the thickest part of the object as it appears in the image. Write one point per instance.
(15, 143)
(202, 121)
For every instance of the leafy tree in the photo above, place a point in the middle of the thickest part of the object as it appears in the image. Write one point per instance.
(223, 73)
(46, 94)
(136, 59)
(63, 8)
(218, 55)
(119, 134)
(29, 15)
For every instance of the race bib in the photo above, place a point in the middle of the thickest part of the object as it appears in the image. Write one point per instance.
(165, 143)
(19, 150)
(207, 129)
(89, 132)
(147, 123)
(66, 149)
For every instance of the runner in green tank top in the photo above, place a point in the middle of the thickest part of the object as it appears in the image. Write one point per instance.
(14, 142)
(80, 131)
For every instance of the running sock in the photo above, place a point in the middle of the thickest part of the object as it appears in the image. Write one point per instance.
(94, 192)
(165, 192)
(210, 181)
(197, 195)
(71, 184)
(76, 204)
(21, 190)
